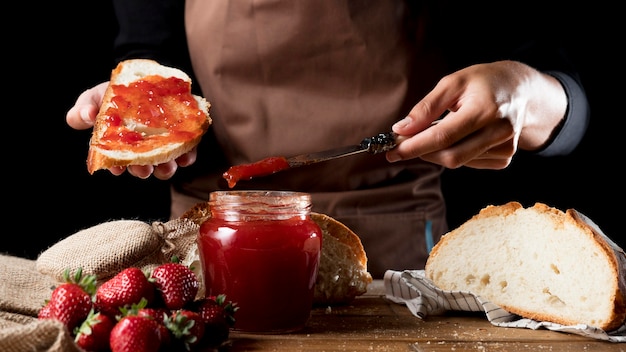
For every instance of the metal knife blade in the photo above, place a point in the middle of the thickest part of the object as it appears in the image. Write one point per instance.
(379, 143)
(382, 142)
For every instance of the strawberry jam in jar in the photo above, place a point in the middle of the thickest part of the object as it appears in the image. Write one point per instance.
(262, 250)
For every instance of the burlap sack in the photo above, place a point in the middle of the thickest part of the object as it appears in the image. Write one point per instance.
(102, 250)
(39, 335)
(105, 249)
(23, 291)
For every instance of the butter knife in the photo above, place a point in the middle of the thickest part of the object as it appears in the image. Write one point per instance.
(379, 143)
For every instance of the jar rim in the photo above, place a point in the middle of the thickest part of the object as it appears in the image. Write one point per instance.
(258, 193)
(248, 204)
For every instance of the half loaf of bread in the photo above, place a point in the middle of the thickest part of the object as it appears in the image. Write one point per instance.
(148, 116)
(536, 262)
(342, 274)
(343, 271)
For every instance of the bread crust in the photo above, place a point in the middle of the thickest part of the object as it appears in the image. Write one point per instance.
(125, 73)
(343, 234)
(474, 241)
(617, 262)
(199, 213)
(342, 273)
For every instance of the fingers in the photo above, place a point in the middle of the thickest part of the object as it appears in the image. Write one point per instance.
(140, 171)
(187, 158)
(491, 147)
(416, 128)
(167, 170)
(433, 106)
(117, 170)
(451, 130)
(496, 158)
(81, 117)
(456, 142)
(163, 171)
(83, 114)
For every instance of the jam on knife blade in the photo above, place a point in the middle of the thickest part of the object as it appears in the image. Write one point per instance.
(262, 167)
(379, 143)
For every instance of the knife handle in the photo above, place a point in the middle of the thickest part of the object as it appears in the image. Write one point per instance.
(383, 142)
(379, 143)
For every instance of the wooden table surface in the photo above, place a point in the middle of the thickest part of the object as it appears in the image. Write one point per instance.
(372, 323)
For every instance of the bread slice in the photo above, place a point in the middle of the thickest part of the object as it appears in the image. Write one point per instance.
(148, 116)
(536, 262)
(342, 273)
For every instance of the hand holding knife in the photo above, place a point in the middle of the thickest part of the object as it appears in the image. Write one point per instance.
(379, 143)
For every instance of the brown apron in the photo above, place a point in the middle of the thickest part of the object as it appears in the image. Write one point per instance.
(291, 77)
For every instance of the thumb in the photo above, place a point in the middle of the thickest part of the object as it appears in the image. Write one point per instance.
(83, 114)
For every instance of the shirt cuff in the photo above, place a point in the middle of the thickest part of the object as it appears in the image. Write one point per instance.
(573, 128)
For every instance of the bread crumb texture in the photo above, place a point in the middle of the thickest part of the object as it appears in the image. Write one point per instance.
(537, 262)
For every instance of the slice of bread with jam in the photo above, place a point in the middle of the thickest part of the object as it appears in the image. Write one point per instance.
(148, 116)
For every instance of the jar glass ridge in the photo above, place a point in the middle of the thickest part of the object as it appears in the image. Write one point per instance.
(259, 205)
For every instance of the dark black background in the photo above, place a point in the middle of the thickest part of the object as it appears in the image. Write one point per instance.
(54, 51)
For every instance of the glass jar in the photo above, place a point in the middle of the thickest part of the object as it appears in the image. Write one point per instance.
(262, 250)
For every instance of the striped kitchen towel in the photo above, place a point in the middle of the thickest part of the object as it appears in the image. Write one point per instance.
(422, 297)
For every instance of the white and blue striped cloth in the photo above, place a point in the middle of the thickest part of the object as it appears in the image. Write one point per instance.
(422, 298)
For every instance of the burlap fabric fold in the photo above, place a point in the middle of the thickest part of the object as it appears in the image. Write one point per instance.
(23, 291)
(102, 250)
(105, 249)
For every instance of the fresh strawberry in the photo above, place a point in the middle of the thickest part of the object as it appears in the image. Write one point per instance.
(218, 316)
(160, 315)
(128, 287)
(93, 334)
(176, 284)
(187, 328)
(71, 301)
(133, 333)
(44, 312)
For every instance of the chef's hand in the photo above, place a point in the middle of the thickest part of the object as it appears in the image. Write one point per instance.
(82, 116)
(492, 110)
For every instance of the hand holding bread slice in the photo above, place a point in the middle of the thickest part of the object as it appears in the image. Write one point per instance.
(148, 116)
(536, 262)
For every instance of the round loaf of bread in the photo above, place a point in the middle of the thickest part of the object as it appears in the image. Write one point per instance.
(536, 262)
(342, 273)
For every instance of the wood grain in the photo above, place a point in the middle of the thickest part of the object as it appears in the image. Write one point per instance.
(372, 323)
